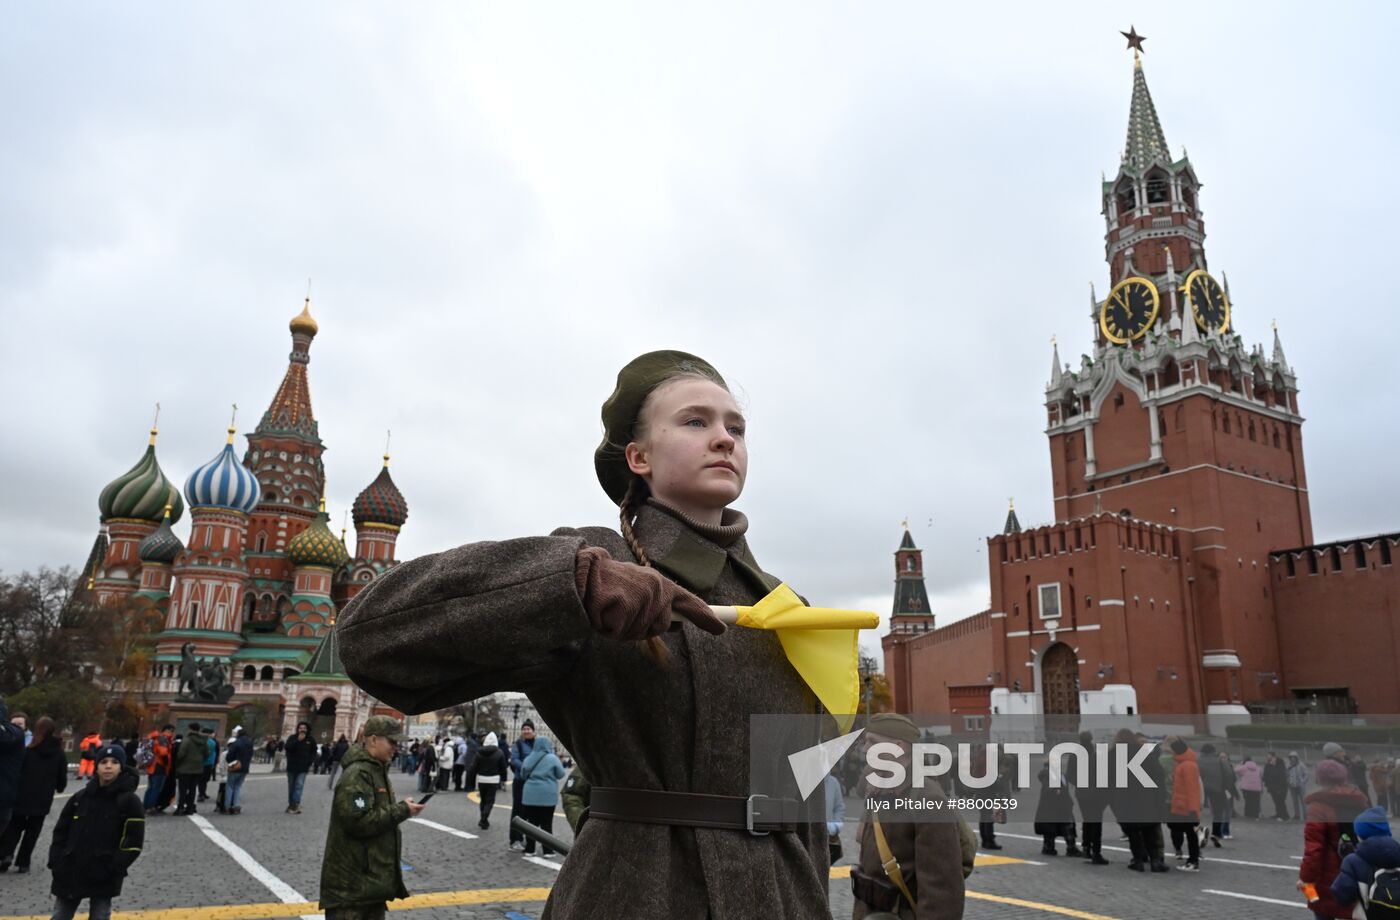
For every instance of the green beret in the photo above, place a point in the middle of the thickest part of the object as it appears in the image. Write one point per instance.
(634, 384)
(893, 725)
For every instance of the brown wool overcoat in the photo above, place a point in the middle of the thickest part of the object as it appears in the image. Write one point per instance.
(506, 615)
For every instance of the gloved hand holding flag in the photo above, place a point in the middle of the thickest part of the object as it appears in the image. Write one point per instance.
(821, 643)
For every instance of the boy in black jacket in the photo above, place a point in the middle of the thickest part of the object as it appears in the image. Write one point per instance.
(97, 838)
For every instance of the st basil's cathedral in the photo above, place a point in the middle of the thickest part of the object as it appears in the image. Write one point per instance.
(261, 577)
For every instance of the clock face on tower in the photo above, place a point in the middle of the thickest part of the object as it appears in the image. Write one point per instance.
(1129, 311)
(1209, 305)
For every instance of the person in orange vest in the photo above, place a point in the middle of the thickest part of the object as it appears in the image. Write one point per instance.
(89, 748)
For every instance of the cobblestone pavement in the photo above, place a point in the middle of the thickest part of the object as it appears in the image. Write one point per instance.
(264, 863)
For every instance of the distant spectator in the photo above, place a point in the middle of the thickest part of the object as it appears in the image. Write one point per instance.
(43, 773)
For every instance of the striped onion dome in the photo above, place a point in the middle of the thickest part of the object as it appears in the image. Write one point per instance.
(381, 502)
(142, 492)
(224, 482)
(161, 545)
(316, 545)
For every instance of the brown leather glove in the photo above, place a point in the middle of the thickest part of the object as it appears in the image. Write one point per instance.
(630, 602)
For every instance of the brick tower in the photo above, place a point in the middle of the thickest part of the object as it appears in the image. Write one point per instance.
(1175, 421)
(211, 577)
(284, 453)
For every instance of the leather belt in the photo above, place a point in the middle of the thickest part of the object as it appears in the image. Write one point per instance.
(757, 814)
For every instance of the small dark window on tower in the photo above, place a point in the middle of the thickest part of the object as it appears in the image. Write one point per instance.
(1276, 437)
(1118, 400)
(1360, 554)
(1126, 200)
(908, 563)
(1336, 559)
(1225, 422)
(1312, 562)
(1288, 562)
(250, 673)
(1385, 551)
(1251, 430)
(267, 672)
(262, 543)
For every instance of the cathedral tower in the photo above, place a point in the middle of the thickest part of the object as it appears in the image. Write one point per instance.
(211, 576)
(132, 507)
(284, 453)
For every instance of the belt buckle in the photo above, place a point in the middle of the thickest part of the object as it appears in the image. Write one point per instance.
(749, 816)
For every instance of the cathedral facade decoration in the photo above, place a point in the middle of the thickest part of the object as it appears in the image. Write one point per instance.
(256, 584)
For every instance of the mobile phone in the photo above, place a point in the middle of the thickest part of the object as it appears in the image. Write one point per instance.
(424, 799)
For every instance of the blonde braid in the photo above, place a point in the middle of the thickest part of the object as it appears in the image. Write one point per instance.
(636, 496)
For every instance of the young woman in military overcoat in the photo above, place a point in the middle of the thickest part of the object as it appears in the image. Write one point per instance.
(581, 621)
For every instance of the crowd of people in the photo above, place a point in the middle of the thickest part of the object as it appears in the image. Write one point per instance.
(1350, 857)
(482, 762)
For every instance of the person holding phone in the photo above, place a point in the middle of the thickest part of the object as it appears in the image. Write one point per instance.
(363, 866)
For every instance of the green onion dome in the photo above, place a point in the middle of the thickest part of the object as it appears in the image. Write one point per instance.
(142, 492)
(316, 545)
(381, 502)
(161, 545)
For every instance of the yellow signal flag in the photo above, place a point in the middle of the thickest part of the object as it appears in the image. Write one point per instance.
(821, 643)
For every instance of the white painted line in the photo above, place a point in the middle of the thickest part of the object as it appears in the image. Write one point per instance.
(284, 892)
(444, 828)
(1205, 855)
(541, 861)
(1254, 897)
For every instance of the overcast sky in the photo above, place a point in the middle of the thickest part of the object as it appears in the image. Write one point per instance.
(871, 217)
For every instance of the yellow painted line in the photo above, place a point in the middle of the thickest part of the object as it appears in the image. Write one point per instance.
(1037, 905)
(277, 910)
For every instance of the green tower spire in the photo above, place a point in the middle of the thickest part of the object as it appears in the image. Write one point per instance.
(1146, 142)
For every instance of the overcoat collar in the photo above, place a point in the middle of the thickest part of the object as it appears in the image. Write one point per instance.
(691, 558)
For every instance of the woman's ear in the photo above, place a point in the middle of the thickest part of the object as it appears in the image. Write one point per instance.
(637, 460)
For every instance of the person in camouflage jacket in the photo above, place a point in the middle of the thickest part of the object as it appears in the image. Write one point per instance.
(362, 865)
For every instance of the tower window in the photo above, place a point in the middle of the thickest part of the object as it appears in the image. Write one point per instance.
(1158, 189)
(262, 542)
(1312, 562)
(250, 673)
(1336, 559)
(194, 614)
(1126, 199)
(1385, 551)
(1288, 562)
(1360, 553)
(1225, 421)
(267, 672)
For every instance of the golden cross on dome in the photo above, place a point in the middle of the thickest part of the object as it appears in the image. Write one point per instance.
(387, 435)
(154, 425)
(905, 523)
(231, 420)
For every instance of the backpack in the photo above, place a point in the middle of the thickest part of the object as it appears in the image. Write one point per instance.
(1383, 900)
(145, 754)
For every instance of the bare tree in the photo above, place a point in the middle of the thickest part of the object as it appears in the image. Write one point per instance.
(41, 630)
